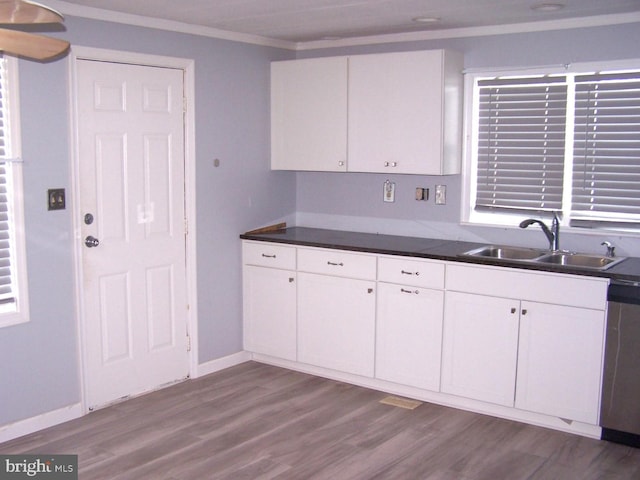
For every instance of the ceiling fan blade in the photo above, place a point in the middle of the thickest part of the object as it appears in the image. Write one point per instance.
(25, 12)
(30, 45)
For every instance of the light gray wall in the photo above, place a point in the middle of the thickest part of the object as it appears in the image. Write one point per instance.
(354, 201)
(39, 370)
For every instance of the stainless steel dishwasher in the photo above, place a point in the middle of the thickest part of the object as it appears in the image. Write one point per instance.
(620, 405)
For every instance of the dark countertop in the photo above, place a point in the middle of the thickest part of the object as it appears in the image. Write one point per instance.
(438, 249)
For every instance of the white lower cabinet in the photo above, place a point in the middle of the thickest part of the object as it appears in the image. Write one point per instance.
(560, 361)
(336, 323)
(532, 341)
(269, 299)
(409, 321)
(525, 352)
(409, 335)
(480, 347)
(270, 311)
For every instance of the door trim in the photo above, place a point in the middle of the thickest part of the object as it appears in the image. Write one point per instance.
(76, 54)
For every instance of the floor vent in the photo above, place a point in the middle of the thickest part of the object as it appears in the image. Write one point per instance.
(401, 402)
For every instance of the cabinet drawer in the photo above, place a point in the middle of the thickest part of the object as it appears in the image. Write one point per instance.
(268, 254)
(338, 263)
(404, 271)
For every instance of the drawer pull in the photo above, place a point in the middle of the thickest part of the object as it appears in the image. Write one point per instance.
(290, 279)
(336, 264)
(410, 291)
(513, 310)
(524, 311)
(390, 164)
(410, 273)
(268, 256)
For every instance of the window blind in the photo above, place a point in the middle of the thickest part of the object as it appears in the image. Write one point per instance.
(606, 154)
(521, 143)
(7, 292)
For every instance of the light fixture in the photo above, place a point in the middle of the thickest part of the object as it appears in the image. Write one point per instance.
(547, 7)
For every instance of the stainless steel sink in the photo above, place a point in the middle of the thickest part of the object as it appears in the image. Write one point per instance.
(505, 253)
(545, 257)
(579, 260)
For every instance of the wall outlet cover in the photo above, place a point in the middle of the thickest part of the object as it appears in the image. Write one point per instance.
(56, 199)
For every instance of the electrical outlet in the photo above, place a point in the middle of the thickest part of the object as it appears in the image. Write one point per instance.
(441, 194)
(56, 199)
(389, 191)
(422, 193)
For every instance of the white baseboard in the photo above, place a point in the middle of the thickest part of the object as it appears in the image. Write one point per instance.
(222, 363)
(40, 422)
(49, 419)
(541, 420)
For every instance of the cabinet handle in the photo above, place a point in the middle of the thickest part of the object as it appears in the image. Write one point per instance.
(410, 273)
(410, 291)
(341, 163)
(524, 311)
(513, 310)
(369, 290)
(390, 164)
(268, 256)
(291, 279)
(336, 264)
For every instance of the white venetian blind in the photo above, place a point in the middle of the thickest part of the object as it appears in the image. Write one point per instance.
(521, 143)
(606, 155)
(6, 287)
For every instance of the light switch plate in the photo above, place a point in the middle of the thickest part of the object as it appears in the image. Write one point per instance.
(441, 194)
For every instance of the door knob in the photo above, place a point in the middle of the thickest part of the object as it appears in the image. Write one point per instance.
(91, 241)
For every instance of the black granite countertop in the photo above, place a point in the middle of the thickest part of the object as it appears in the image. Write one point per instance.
(451, 250)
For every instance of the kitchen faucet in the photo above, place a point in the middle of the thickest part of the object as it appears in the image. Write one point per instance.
(552, 234)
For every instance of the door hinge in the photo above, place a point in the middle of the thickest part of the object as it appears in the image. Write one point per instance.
(186, 226)
(184, 104)
(188, 343)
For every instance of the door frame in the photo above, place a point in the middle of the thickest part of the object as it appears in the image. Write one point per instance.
(77, 54)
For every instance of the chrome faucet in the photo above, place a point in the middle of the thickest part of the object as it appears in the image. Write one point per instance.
(611, 250)
(552, 234)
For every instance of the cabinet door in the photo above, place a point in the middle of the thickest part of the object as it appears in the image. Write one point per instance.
(479, 351)
(269, 301)
(336, 323)
(560, 361)
(309, 114)
(409, 335)
(396, 112)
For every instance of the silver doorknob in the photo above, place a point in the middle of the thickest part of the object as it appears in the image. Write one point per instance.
(91, 241)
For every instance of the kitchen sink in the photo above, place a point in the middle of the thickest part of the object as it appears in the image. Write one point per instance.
(545, 257)
(579, 260)
(505, 253)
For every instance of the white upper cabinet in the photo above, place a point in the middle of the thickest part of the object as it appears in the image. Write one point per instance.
(309, 114)
(385, 113)
(404, 112)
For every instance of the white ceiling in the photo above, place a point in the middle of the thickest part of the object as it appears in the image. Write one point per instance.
(300, 21)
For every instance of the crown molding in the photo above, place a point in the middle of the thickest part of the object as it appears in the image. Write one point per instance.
(82, 11)
(71, 9)
(581, 22)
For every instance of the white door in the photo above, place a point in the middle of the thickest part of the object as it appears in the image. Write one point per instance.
(560, 361)
(131, 176)
(480, 347)
(336, 323)
(409, 335)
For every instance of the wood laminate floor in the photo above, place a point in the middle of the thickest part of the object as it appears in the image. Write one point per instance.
(256, 421)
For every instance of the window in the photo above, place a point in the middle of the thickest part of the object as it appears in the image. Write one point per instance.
(13, 291)
(555, 141)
